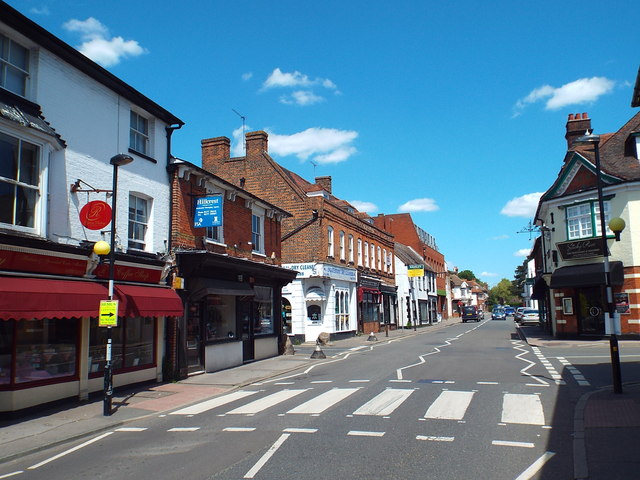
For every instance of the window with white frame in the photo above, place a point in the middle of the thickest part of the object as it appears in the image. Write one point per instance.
(390, 262)
(373, 256)
(360, 251)
(139, 134)
(214, 234)
(342, 252)
(379, 258)
(139, 209)
(330, 246)
(384, 257)
(14, 66)
(257, 237)
(366, 254)
(20, 194)
(342, 310)
(350, 248)
(584, 219)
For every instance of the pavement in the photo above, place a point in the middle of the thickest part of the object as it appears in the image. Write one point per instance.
(606, 425)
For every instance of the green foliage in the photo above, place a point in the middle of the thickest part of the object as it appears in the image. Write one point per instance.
(467, 275)
(502, 294)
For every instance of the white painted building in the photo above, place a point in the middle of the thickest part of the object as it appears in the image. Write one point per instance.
(417, 297)
(62, 118)
(322, 298)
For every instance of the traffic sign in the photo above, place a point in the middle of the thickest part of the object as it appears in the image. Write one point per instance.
(108, 316)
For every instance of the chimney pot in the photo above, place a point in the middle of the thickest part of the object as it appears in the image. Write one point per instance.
(577, 124)
(215, 151)
(571, 116)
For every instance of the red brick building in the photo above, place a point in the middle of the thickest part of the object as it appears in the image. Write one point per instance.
(401, 226)
(232, 278)
(345, 262)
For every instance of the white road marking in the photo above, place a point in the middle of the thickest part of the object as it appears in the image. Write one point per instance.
(577, 375)
(213, 403)
(535, 466)
(130, 429)
(518, 346)
(71, 450)
(322, 402)
(322, 381)
(523, 409)
(505, 443)
(488, 383)
(359, 381)
(268, 454)
(430, 438)
(284, 383)
(450, 405)
(239, 429)
(300, 430)
(385, 402)
(266, 402)
(355, 349)
(358, 433)
(184, 429)
(400, 381)
(7, 475)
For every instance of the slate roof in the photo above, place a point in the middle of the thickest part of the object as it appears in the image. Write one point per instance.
(26, 113)
(409, 256)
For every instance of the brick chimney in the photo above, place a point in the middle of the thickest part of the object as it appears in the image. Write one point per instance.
(577, 125)
(257, 143)
(215, 151)
(325, 183)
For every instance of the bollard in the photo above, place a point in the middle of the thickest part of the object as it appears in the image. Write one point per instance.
(372, 337)
(318, 353)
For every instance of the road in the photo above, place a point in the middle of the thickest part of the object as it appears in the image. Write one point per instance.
(469, 401)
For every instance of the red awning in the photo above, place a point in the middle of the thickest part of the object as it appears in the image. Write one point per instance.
(376, 293)
(27, 298)
(150, 301)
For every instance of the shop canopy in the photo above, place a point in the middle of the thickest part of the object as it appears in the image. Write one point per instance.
(29, 298)
(587, 275)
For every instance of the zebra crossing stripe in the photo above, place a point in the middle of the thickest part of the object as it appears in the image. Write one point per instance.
(266, 402)
(384, 403)
(522, 408)
(213, 403)
(450, 405)
(323, 401)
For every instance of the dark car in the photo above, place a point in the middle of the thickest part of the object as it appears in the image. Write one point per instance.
(470, 312)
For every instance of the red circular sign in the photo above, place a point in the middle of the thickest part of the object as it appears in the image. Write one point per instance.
(95, 215)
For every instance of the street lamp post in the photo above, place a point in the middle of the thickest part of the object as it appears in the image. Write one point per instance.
(117, 161)
(594, 140)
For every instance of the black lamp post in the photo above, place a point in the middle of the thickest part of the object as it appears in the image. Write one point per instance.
(594, 140)
(117, 161)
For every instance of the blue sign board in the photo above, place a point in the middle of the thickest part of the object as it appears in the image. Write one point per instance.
(208, 212)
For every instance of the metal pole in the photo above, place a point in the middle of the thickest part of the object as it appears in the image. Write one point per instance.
(108, 373)
(609, 317)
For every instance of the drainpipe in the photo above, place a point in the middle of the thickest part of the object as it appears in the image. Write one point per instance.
(170, 129)
(314, 217)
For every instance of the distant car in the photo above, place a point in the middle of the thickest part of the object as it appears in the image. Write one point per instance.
(498, 314)
(529, 315)
(509, 311)
(518, 315)
(470, 312)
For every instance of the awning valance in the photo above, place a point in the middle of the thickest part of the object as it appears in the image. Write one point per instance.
(29, 298)
(315, 294)
(587, 275)
(374, 291)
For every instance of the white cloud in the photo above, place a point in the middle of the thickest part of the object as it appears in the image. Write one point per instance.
(367, 207)
(97, 45)
(323, 145)
(247, 76)
(500, 237)
(488, 274)
(44, 10)
(419, 205)
(524, 206)
(302, 98)
(523, 252)
(583, 90)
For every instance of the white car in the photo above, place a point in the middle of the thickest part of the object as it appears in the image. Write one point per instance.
(529, 315)
(518, 315)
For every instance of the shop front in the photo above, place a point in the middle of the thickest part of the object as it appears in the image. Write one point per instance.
(233, 313)
(321, 299)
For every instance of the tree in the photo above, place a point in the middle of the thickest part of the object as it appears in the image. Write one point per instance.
(502, 294)
(467, 275)
(519, 278)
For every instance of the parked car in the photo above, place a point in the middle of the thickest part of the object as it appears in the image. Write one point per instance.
(529, 315)
(509, 311)
(470, 312)
(518, 315)
(498, 314)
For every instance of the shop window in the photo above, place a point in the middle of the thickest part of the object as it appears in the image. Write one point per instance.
(138, 221)
(314, 314)
(133, 344)
(342, 310)
(287, 326)
(19, 182)
(263, 316)
(220, 319)
(45, 349)
(14, 66)
(6, 351)
(584, 219)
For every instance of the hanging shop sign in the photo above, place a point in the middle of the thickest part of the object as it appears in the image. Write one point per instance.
(588, 248)
(95, 215)
(208, 212)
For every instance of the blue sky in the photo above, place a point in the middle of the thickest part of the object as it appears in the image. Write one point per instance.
(454, 111)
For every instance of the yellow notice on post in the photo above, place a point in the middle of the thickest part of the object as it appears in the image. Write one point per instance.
(108, 316)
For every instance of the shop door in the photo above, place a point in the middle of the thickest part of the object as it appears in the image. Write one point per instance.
(245, 317)
(195, 347)
(590, 311)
